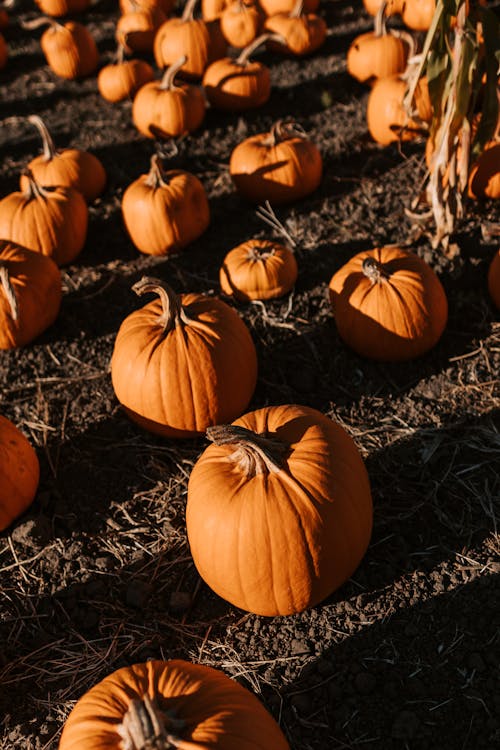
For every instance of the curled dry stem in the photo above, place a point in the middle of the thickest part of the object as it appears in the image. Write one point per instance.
(172, 311)
(49, 149)
(248, 51)
(9, 291)
(254, 453)
(167, 83)
(145, 727)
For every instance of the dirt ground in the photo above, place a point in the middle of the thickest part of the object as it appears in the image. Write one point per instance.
(98, 573)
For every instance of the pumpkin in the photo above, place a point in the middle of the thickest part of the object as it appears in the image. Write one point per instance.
(258, 269)
(122, 79)
(418, 14)
(274, 7)
(30, 294)
(170, 704)
(165, 211)
(387, 118)
(69, 48)
(4, 52)
(165, 109)
(377, 54)
(19, 473)
(279, 510)
(4, 19)
(183, 363)
(494, 279)
(389, 305)
(484, 179)
(62, 7)
(240, 22)
(280, 166)
(136, 30)
(212, 10)
(70, 167)
(49, 220)
(239, 84)
(392, 7)
(303, 32)
(128, 6)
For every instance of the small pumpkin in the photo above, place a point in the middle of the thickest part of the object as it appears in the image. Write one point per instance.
(4, 52)
(274, 7)
(136, 30)
(128, 6)
(212, 10)
(170, 704)
(484, 179)
(183, 363)
(303, 32)
(122, 79)
(164, 211)
(387, 118)
(30, 294)
(71, 167)
(49, 220)
(166, 109)
(58, 8)
(392, 7)
(19, 473)
(240, 22)
(258, 269)
(69, 48)
(378, 53)
(279, 510)
(494, 279)
(418, 14)
(280, 166)
(389, 305)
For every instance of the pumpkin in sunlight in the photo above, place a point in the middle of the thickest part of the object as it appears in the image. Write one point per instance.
(258, 269)
(19, 473)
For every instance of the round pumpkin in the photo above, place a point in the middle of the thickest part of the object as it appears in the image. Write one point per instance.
(387, 118)
(213, 9)
(122, 79)
(279, 510)
(130, 6)
(137, 29)
(280, 166)
(170, 704)
(240, 22)
(71, 167)
(484, 179)
(30, 294)
(58, 8)
(49, 220)
(69, 48)
(19, 473)
(378, 53)
(389, 305)
(418, 14)
(273, 7)
(303, 32)
(494, 279)
(165, 109)
(183, 363)
(391, 7)
(258, 269)
(164, 211)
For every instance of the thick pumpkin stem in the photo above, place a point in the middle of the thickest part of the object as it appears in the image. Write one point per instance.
(374, 270)
(156, 177)
(297, 9)
(256, 253)
(34, 189)
(379, 24)
(49, 149)
(188, 13)
(246, 53)
(145, 727)
(9, 291)
(173, 312)
(254, 454)
(282, 130)
(168, 82)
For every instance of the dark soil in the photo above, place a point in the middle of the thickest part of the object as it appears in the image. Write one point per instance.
(98, 573)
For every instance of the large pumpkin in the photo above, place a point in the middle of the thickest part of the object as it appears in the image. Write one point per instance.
(279, 510)
(170, 704)
(389, 305)
(183, 363)
(19, 473)
(30, 294)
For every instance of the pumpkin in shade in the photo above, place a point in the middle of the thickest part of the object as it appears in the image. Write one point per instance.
(386, 116)
(280, 166)
(19, 473)
(170, 704)
(4, 19)
(62, 7)
(30, 294)
(240, 23)
(70, 167)
(279, 510)
(389, 305)
(378, 53)
(4, 52)
(274, 7)
(122, 79)
(182, 363)
(69, 48)
(200, 42)
(49, 220)
(164, 211)
(258, 269)
(303, 32)
(129, 6)
(418, 14)
(494, 279)
(165, 109)
(484, 179)
(136, 30)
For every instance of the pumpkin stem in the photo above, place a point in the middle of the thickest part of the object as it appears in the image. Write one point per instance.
(34, 189)
(188, 13)
(9, 291)
(267, 214)
(284, 129)
(256, 253)
(156, 177)
(255, 453)
(297, 9)
(49, 149)
(167, 82)
(379, 26)
(37, 22)
(374, 270)
(248, 51)
(119, 56)
(173, 312)
(145, 727)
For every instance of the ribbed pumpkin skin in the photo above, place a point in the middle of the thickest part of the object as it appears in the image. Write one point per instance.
(70, 50)
(199, 374)
(136, 30)
(176, 38)
(36, 281)
(303, 35)
(19, 473)
(494, 279)
(247, 278)
(372, 56)
(385, 113)
(398, 319)
(71, 168)
(234, 87)
(280, 542)
(55, 225)
(219, 713)
(240, 23)
(123, 80)
(56, 8)
(168, 113)
(484, 180)
(212, 9)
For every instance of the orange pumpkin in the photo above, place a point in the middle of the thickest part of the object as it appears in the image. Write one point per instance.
(213, 9)
(4, 19)
(4, 52)
(387, 118)
(181, 364)
(136, 30)
(49, 220)
(258, 269)
(484, 179)
(165, 211)
(167, 704)
(240, 22)
(378, 53)
(70, 167)
(389, 305)
(494, 279)
(280, 166)
(279, 510)
(392, 7)
(273, 7)
(19, 473)
(165, 109)
(62, 7)
(418, 14)
(69, 48)
(30, 294)
(122, 79)
(303, 32)
(130, 6)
